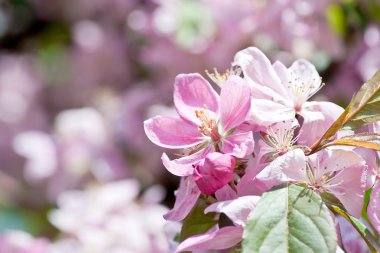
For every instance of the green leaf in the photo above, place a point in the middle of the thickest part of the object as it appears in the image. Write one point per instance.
(197, 222)
(371, 241)
(363, 109)
(291, 219)
(363, 140)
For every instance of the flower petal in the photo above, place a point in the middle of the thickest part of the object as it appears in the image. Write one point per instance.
(235, 102)
(303, 72)
(223, 238)
(266, 112)
(318, 117)
(171, 132)
(186, 197)
(225, 193)
(288, 167)
(239, 144)
(237, 210)
(258, 70)
(349, 187)
(327, 161)
(184, 166)
(373, 210)
(214, 172)
(191, 92)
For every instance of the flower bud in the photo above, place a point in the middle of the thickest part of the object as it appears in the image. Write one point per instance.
(214, 172)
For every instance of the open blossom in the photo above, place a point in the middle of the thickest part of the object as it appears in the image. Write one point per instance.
(206, 122)
(279, 93)
(215, 171)
(338, 172)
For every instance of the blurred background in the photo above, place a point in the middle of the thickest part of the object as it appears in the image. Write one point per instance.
(79, 77)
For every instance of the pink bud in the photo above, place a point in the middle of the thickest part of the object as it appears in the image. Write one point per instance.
(214, 172)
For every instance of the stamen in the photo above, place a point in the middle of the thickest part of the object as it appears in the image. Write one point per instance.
(282, 139)
(303, 89)
(220, 78)
(208, 126)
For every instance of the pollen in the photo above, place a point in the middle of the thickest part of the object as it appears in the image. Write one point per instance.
(207, 126)
(220, 78)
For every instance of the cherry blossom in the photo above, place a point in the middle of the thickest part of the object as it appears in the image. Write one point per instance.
(206, 122)
(338, 172)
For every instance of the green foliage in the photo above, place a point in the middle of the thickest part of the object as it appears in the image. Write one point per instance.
(336, 19)
(363, 109)
(197, 222)
(290, 219)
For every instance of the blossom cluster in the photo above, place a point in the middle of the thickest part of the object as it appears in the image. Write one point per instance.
(77, 78)
(256, 134)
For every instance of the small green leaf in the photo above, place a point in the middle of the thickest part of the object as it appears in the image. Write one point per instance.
(363, 109)
(363, 140)
(290, 219)
(197, 222)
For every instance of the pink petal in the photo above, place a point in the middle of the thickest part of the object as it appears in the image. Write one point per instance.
(248, 185)
(186, 197)
(223, 238)
(318, 117)
(373, 210)
(235, 102)
(237, 210)
(351, 239)
(225, 193)
(239, 144)
(258, 69)
(370, 158)
(306, 74)
(266, 112)
(214, 172)
(191, 92)
(171, 132)
(331, 160)
(184, 166)
(286, 168)
(349, 187)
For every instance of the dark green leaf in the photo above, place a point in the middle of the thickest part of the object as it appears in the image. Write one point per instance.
(197, 222)
(291, 219)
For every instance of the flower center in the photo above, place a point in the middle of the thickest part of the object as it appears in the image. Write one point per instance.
(303, 88)
(282, 139)
(208, 126)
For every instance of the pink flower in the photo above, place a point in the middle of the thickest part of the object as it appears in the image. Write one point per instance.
(373, 210)
(206, 122)
(279, 93)
(214, 172)
(338, 172)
